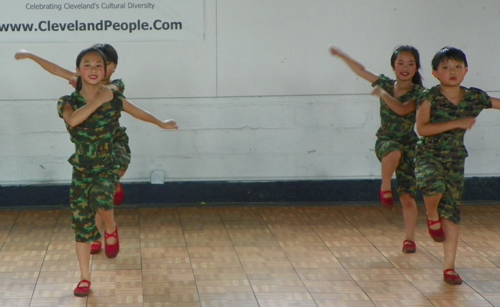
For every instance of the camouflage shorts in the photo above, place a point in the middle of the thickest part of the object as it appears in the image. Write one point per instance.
(438, 175)
(121, 149)
(405, 172)
(88, 194)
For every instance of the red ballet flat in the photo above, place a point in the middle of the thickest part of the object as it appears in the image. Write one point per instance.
(111, 250)
(387, 199)
(95, 247)
(409, 246)
(452, 279)
(119, 195)
(436, 234)
(80, 290)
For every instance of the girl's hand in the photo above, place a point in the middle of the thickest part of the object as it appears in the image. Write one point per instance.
(335, 51)
(105, 95)
(72, 81)
(466, 123)
(378, 91)
(169, 124)
(22, 54)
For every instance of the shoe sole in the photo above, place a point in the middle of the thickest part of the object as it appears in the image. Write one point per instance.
(409, 251)
(453, 282)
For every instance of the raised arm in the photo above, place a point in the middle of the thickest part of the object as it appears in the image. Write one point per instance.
(354, 65)
(47, 65)
(426, 128)
(395, 105)
(144, 115)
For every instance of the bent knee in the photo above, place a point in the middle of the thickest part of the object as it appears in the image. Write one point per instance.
(393, 155)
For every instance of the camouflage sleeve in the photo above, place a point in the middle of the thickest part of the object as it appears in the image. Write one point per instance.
(118, 83)
(483, 100)
(422, 97)
(117, 99)
(60, 104)
(426, 94)
(384, 82)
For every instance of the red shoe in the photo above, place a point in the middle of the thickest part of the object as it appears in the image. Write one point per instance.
(436, 234)
(452, 279)
(387, 199)
(80, 290)
(119, 195)
(111, 250)
(409, 246)
(95, 247)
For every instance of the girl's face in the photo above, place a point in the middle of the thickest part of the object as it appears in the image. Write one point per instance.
(450, 72)
(405, 66)
(92, 68)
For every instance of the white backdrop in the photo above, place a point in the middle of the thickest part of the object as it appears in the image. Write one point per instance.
(259, 97)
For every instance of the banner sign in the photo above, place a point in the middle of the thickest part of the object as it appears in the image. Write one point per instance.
(55, 21)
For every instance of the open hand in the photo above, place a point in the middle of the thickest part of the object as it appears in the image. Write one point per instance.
(335, 51)
(22, 54)
(105, 95)
(378, 91)
(73, 81)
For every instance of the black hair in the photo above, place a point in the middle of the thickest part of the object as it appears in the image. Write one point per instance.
(79, 60)
(109, 52)
(417, 78)
(448, 53)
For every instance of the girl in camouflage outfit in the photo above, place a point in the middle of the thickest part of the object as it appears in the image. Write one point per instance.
(121, 140)
(445, 112)
(117, 84)
(91, 115)
(396, 139)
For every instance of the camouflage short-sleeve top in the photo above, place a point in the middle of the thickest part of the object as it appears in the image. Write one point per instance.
(393, 126)
(93, 137)
(450, 143)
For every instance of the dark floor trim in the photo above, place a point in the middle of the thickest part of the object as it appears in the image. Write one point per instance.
(228, 192)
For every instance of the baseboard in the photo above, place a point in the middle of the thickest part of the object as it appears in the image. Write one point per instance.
(228, 192)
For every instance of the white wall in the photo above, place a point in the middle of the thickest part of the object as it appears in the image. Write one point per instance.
(260, 98)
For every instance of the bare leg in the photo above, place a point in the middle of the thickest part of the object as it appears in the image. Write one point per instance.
(83, 255)
(410, 215)
(108, 218)
(389, 165)
(99, 224)
(431, 205)
(450, 245)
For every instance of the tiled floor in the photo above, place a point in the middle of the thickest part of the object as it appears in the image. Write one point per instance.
(243, 256)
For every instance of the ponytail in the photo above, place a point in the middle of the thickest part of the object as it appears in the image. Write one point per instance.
(78, 84)
(417, 79)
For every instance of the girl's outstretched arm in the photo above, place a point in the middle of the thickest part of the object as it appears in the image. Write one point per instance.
(495, 103)
(48, 66)
(354, 65)
(144, 115)
(397, 107)
(426, 128)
